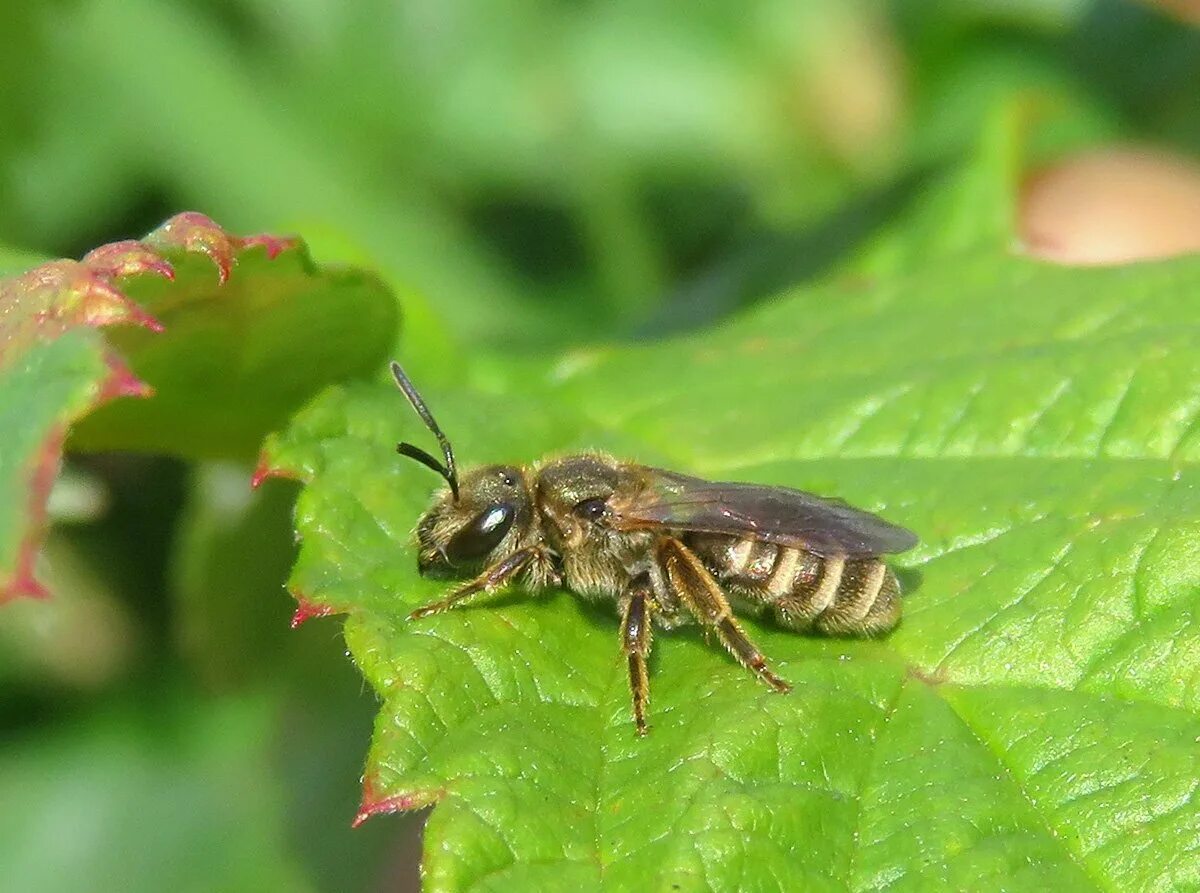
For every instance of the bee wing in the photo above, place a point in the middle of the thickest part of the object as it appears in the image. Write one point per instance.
(770, 514)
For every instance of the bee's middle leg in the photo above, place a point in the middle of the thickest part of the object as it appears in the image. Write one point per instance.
(690, 580)
(635, 642)
(490, 580)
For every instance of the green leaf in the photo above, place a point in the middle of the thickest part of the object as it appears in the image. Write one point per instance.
(1031, 724)
(240, 353)
(236, 333)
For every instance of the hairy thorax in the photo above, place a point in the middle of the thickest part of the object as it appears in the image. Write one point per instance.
(604, 561)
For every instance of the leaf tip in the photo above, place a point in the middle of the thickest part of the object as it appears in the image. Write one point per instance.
(373, 805)
(149, 322)
(264, 469)
(121, 382)
(261, 473)
(23, 585)
(307, 609)
(193, 231)
(273, 245)
(128, 258)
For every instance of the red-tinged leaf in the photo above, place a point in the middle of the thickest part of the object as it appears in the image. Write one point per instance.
(307, 610)
(263, 471)
(374, 804)
(54, 368)
(242, 349)
(229, 335)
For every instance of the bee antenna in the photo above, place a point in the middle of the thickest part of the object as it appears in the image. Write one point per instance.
(449, 470)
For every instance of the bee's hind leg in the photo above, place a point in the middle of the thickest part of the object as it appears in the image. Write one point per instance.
(693, 585)
(635, 642)
(490, 580)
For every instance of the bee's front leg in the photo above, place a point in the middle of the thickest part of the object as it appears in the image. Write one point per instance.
(635, 642)
(490, 580)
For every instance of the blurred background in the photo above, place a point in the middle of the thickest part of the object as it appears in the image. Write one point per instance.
(526, 175)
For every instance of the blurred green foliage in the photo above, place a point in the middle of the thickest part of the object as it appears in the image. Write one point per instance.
(541, 168)
(525, 176)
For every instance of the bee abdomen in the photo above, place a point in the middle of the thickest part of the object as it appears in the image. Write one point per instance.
(859, 596)
(832, 594)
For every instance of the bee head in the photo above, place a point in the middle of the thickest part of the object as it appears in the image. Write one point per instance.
(471, 523)
(484, 524)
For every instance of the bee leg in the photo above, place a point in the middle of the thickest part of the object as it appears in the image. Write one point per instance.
(635, 642)
(490, 580)
(696, 588)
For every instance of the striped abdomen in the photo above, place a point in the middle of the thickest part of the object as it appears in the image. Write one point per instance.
(831, 594)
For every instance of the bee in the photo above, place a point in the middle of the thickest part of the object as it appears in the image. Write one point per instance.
(667, 548)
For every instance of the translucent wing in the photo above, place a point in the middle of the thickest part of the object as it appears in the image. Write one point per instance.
(770, 514)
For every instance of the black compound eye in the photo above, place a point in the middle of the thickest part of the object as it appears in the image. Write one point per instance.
(592, 509)
(482, 535)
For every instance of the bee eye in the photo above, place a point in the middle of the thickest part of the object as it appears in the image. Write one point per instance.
(592, 509)
(482, 535)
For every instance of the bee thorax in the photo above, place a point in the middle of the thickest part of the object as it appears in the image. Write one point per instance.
(603, 562)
